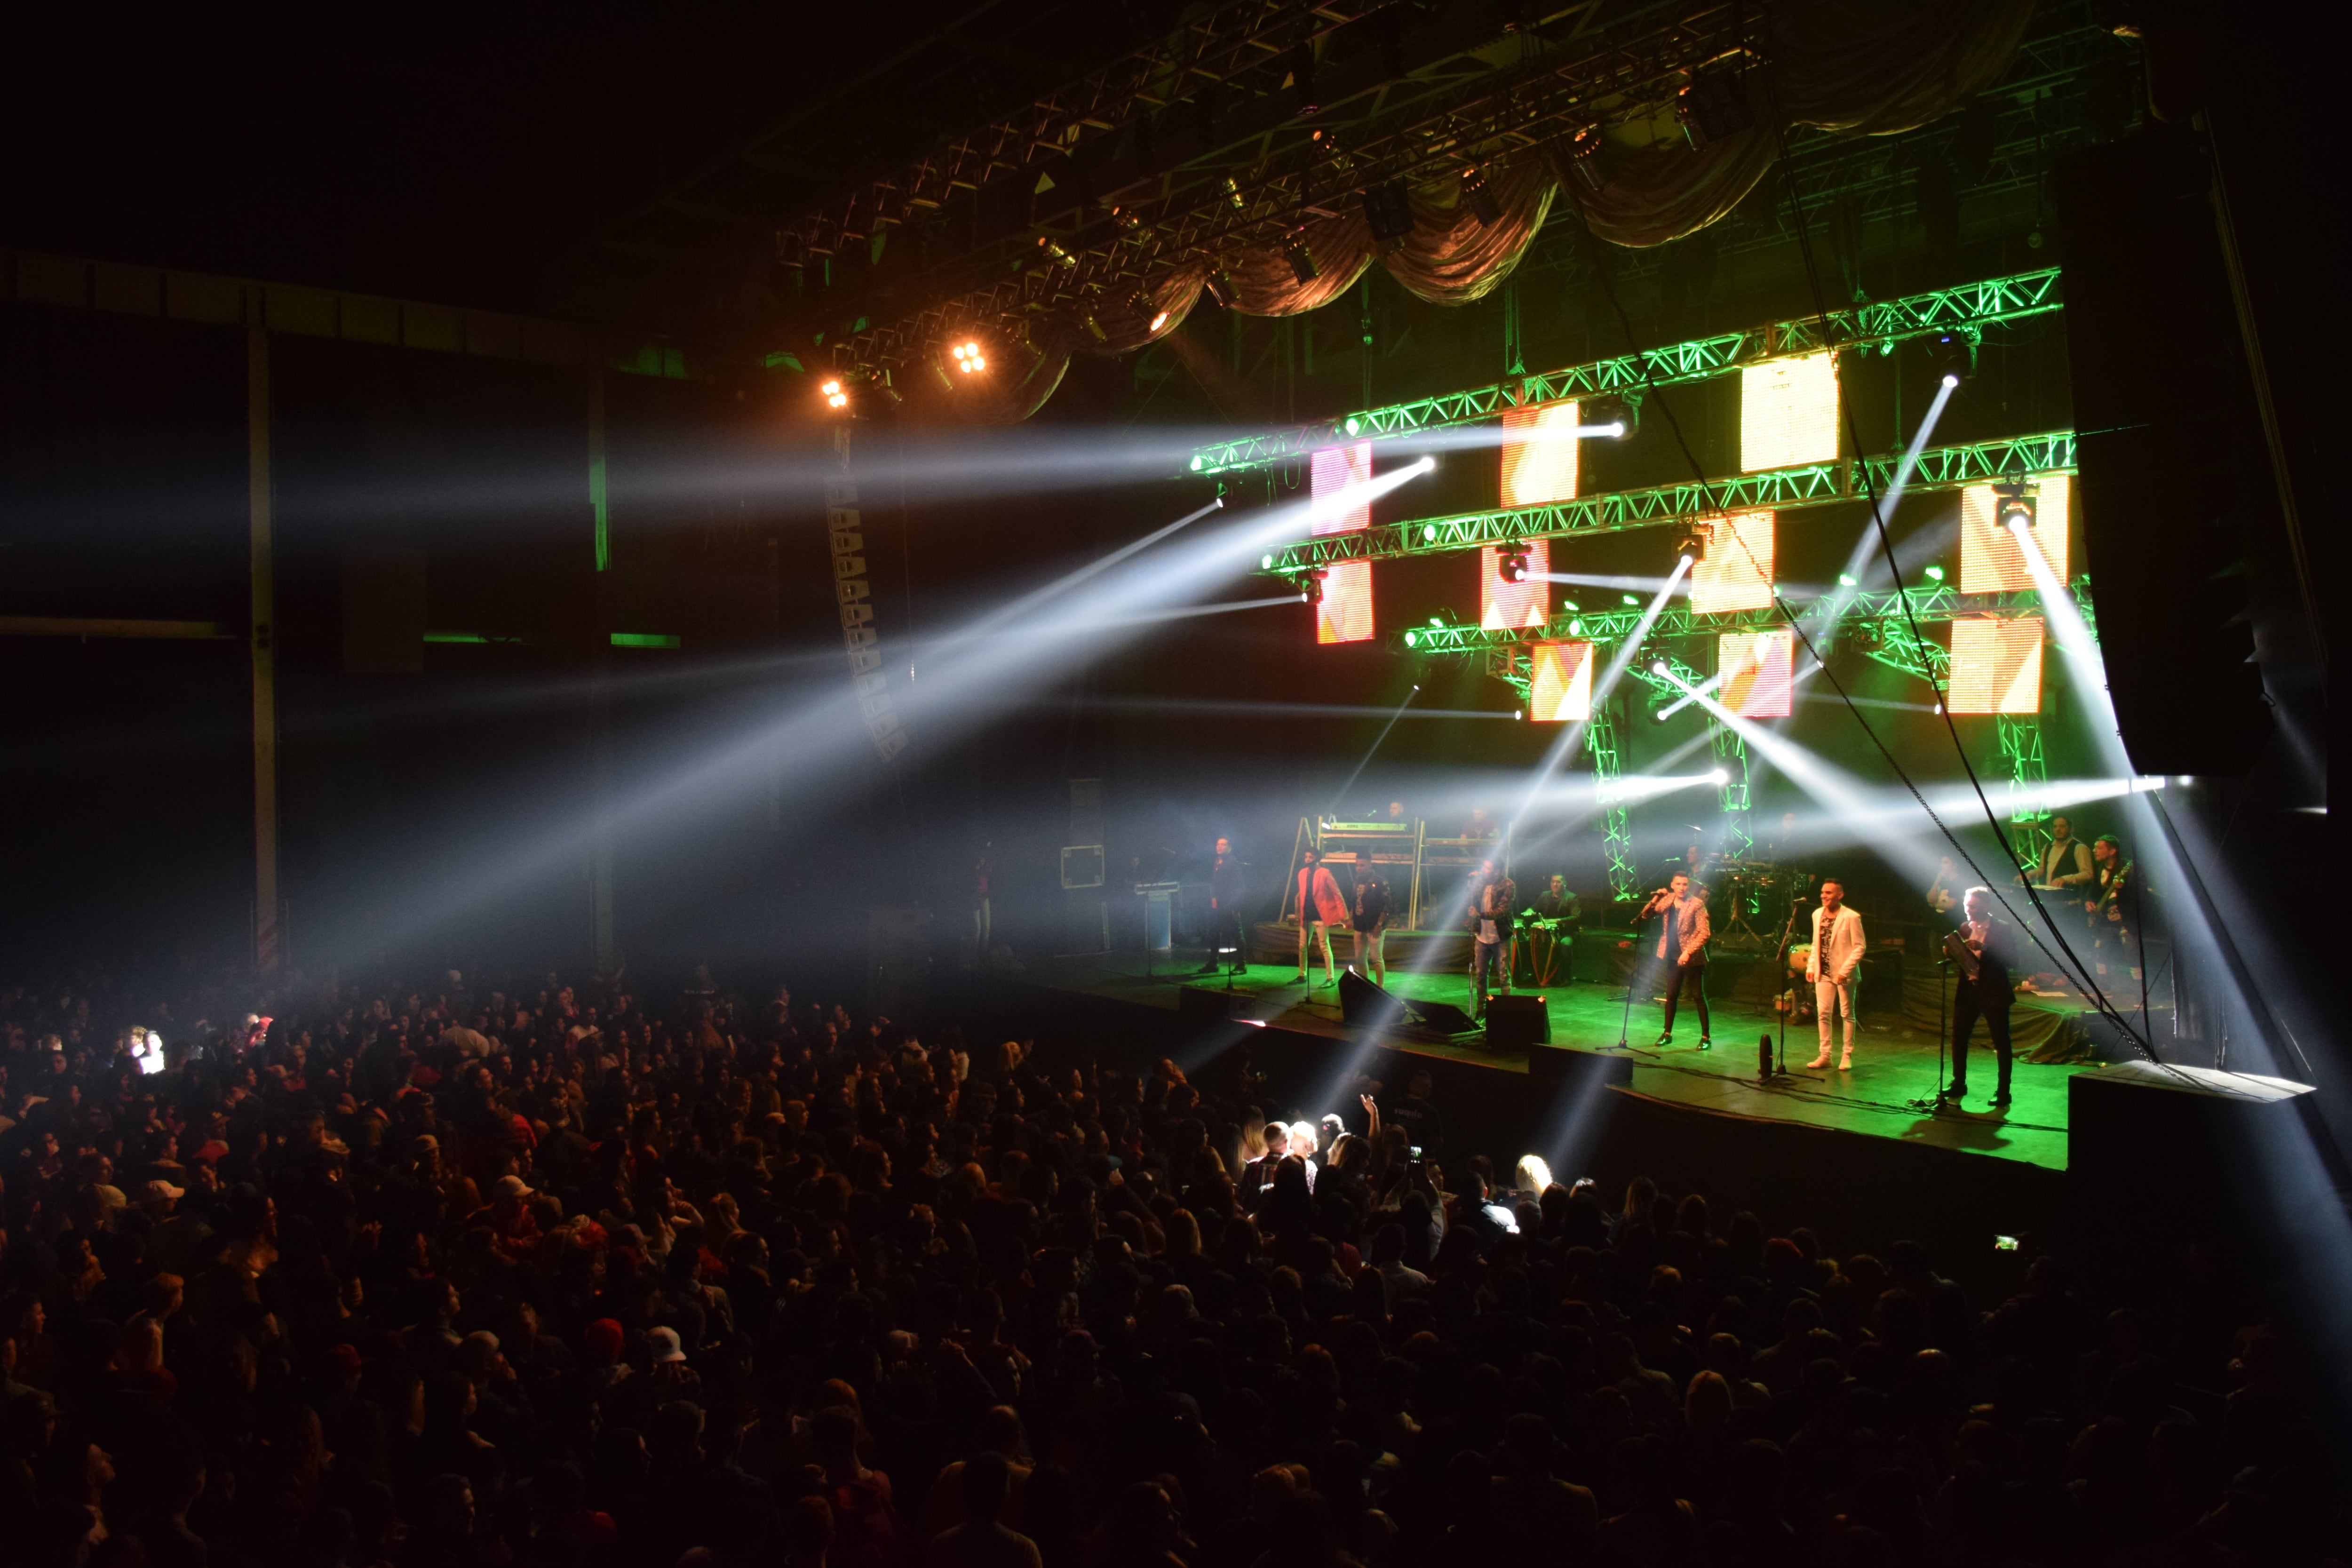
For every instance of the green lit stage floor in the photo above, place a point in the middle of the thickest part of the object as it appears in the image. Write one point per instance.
(1895, 1062)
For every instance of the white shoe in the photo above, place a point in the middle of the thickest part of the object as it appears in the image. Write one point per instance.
(1819, 1061)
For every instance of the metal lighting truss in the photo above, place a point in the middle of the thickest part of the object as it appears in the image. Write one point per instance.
(1935, 603)
(1967, 309)
(2020, 754)
(1231, 160)
(1812, 484)
(1616, 830)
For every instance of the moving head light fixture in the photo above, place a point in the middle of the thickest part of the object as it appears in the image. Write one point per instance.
(1609, 408)
(1511, 563)
(2013, 508)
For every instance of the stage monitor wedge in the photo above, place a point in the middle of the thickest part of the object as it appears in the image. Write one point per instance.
(1518, 1022)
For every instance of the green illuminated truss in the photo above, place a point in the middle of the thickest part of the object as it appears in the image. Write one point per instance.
(1967, 309)
(1935, 603)
(1616, 829)
(1814, 484)
(2020, 754)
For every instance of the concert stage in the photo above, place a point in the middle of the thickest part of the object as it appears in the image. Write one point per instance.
(1845, 1151)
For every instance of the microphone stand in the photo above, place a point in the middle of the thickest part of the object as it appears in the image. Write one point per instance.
(1934, 1105)
(1625, 1023)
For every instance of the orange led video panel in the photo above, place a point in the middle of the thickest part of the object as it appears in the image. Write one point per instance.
(1789, 413)
(1560, 684)
(1334, 469)
(1511, 604)
(1346, 613)
(1539, 463)
(1735, 572)
(1991, 561)
(1756, 668)
(1996, 665)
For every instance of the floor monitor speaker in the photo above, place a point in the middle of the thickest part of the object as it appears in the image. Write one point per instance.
(1518, 1022)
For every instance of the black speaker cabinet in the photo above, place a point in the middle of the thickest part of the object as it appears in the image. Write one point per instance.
(2162, 1159)
(1518, 1022)
(1444, 1017)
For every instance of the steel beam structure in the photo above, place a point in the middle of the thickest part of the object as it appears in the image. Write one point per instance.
(1934, 603)
(1616, 825)
(1814, 484)
(1968, 309)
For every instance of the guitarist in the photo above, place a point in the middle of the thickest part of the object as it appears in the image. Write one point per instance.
(1982, 948)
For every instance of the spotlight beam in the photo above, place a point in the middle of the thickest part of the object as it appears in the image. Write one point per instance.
(812, 749)
(1565, 747)
(1375, 746)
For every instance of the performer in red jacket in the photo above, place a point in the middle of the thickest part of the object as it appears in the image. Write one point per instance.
(1321, 906)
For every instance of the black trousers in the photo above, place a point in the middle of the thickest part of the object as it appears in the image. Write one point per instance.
(1690, 977)
(1226, 930)
(1966, 1007)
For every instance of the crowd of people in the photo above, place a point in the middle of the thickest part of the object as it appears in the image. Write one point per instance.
(553, 1277)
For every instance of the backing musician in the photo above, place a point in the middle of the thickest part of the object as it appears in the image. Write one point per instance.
(1682, 945)
(1556, 911)
(1983, 949)
(2066, 863)
(2113, 905)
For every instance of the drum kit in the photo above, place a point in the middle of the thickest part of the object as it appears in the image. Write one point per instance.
(1749, 897)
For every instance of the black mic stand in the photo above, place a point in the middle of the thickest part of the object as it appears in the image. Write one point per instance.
(1934, 1104)
(1625, 1024)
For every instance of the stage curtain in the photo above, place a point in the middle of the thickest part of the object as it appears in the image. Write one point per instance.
(1855, 66)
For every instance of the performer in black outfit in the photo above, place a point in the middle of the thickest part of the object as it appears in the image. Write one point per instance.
(1682, 948)
(1225, 909)
(1371, 923)
(1989, 947)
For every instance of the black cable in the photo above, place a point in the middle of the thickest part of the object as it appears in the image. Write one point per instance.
(1698, 471)
(1902, 597)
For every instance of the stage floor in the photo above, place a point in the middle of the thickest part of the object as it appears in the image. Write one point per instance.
(1893, 1063)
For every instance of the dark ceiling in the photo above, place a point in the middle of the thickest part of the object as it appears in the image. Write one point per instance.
(496, 157)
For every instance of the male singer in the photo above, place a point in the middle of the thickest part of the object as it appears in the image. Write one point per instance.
(1494, 898)
(1838, 945)
(1991, 945)
(1681, 942)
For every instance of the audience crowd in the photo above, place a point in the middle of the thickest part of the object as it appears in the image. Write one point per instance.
(550, 1277)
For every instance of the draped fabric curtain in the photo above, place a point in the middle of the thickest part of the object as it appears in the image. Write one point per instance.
(1870, 67)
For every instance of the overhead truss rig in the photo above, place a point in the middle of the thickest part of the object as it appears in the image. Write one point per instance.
(1965, 310)
(1613, 511)
(1930, 603)
(1212, 142)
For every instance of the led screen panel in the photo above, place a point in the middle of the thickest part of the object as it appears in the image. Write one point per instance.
(1735, 572)
(1991, 560)
(1756, 668)
(1996, 665)
(1346, 613)
(1789, 413)
(1560, 682)
(1539, 462)
(1514, 605)
(1334, 469)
